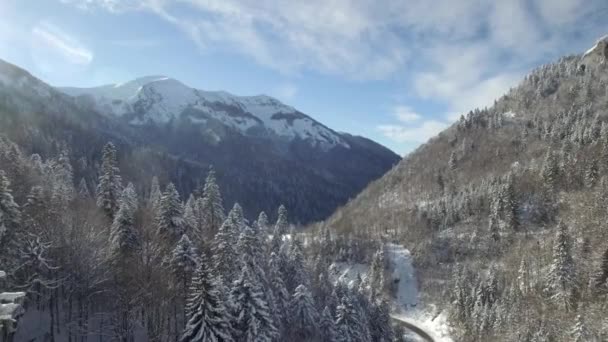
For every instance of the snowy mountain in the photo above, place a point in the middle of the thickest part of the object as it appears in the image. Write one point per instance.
(265, 153)
(160, 99)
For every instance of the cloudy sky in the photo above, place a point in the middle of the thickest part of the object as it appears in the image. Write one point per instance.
(396, 71)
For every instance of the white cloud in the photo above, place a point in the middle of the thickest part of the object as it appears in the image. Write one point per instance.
(51, 40)
(417, 134)
(405, 114)
(286, 91)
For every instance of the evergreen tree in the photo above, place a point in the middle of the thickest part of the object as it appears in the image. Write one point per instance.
(348, 325)
(123, 238)
(550, 171)
(601, 276)
(280, 293)
(592, 174)
(190, 219)
(155, 194)
(262, 224)
(452, 162)
(208, 318)
(183, 262)
(561, 280)
(282, 223)
(10, 216)
(327, 327)
(297, 273)
(303, 315)
(225, 258)
(83, 190)
(252, 317)
(211, 208)
(169, 219)
(580, 332)
(109, 187)
(380, 322)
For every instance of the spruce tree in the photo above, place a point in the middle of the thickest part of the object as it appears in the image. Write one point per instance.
(550, 171)
(225, 258)
(183, 262)
(561, 279)
(123, 238)
(211, 207)
(252, 317)
(109, 186)
(347, 322)
(282, 223)
(83, 190)
(327, 327)
(208, 318)
(601, 276)
(155, 194)
(169, 219)
(10, 216)
(580, 331)
(380, 322)
(303, 315)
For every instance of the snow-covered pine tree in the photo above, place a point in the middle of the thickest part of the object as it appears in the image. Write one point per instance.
(297, 273)
(592, 173)
(381, 328)
(262, 224)
(63, 183)
(452, 162)
(303, 315)
(155, 194)
(190, 217)
(347, 322)
(109, 187)
(211, 207)
(550, 171)
(280, 294)
(10, 215)
(561, 279)
(327, 327)
(123, 238)
(580, 331)
(224, 254)
(253, 320)
(169, 218)
(282, 223)
(183, 262)
(376, 273)
(600, 279)
(208, 318)
(83, 190)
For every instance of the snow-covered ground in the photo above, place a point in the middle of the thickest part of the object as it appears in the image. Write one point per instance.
(406, 305)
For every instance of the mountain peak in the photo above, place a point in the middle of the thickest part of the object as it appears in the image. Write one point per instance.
(599, 52)
(159, 99)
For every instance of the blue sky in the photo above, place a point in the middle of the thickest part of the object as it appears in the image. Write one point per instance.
(396, 71)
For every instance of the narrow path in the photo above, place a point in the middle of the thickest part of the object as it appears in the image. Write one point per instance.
(413, 327)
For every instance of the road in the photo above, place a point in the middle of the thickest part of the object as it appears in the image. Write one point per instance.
(408, 324)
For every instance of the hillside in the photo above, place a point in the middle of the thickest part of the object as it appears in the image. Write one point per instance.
(259, 147)
(505, 210)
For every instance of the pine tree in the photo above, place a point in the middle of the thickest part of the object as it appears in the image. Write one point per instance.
(252, 317)
(327, 327)
(83, 190)
(169, 219)
(380, 322)
(561, 280)
(109, 187)
(123, 238)
(347, 322)
(580, 332)
(10, 216)
(282, 223)
(208, 318)
(592, 174)
(376, 273)
(452, 162)
(262, 224)
(155, 194)
(601, 276)
(297, 273)
(190, 218)
(183, 261)
(225, 258)
(303, 315)
(550, 171)
(280, 293)
(212, 209)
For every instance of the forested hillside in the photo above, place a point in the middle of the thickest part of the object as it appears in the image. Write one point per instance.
(505, 211)
(109, 263)
(290, 158)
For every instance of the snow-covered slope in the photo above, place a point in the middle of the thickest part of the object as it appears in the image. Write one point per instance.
(159, 99)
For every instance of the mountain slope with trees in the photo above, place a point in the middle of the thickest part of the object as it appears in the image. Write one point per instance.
(505, 211)
(284, 156)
